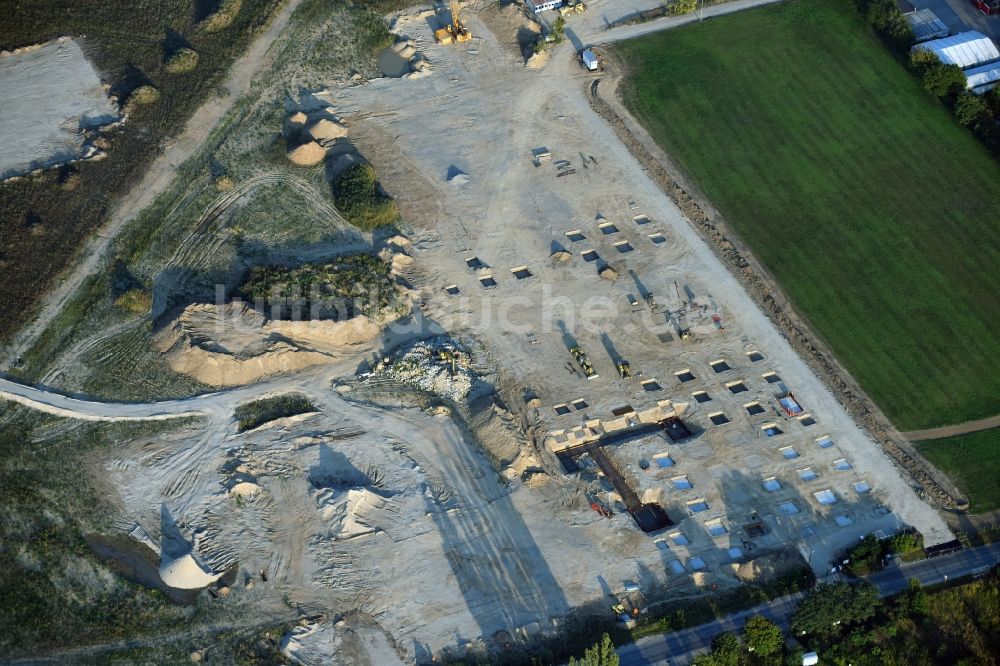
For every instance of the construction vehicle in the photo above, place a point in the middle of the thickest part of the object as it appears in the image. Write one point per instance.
(624, 369)
(448, 358)
(585, 365)
(572, 7)
(455, 30)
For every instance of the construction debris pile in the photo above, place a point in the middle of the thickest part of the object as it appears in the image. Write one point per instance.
(439, 365)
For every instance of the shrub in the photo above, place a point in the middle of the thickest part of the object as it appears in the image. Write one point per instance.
(866, 556)
(559, 30)
(136, 301)
(183, 60)
(601, 654)
(971, 109)
(359, 200)
(678, 7)
(222, 17)
(252, 414)
(224, 183)
(351, 284)
(142, 96)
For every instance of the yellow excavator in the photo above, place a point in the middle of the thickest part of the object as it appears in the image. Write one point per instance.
(572, 7)
(454, 31)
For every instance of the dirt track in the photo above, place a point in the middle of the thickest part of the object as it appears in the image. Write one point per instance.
(158, 178)
(966, 428)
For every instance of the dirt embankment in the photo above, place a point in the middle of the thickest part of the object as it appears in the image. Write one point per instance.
(230, 345)
(766, 294)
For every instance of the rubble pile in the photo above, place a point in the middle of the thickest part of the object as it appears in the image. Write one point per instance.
(440, 366)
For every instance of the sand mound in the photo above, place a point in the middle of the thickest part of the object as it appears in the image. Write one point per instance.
(353, 642)
(608, 273)
(298, 118)
(178, 567)
(351, 512)
(245, 489)
(184, 573)
(307, 154)
(327, 129)
(232, 344)
(767, 567)
(561, 255)
(537, 60)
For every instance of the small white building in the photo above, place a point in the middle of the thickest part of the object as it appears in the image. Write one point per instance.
(926, 25)
(984, 78)
(966, 49)
(539, 6)
(590, 60)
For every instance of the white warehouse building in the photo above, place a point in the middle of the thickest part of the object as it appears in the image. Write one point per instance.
(984, 78)
(966, 49)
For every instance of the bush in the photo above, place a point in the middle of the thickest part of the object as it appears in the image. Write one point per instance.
(135, 301)
(971, 109)
(601, 654)
(252, 414)
(677, 7)
(559, 30)
(351, 284)
(142, 96)
(182, 61)
(222, 17)
(359, 200)
(866, 557)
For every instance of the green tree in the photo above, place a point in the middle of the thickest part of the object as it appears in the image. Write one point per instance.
(970, 110)
(865, 556)
(727, 650)
(762, 637)
(914, 601)
(831, 607)
(942, 80)
(601, 654)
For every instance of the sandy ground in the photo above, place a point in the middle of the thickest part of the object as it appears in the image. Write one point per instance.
(51, 94)
(396, 513)
(452, 123)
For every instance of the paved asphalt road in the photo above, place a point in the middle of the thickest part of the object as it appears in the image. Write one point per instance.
(962, 15)
(680, 647)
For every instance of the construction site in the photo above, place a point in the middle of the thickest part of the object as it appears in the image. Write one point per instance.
(572, 404)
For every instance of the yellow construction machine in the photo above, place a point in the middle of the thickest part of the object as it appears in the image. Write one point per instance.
(455, 31)
(572, 7)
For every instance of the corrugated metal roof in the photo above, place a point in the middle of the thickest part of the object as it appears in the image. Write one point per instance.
(966, 49)
(982, 76)
(926, 25)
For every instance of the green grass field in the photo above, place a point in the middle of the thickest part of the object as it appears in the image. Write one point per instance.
(873, 208)
(972, 462)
